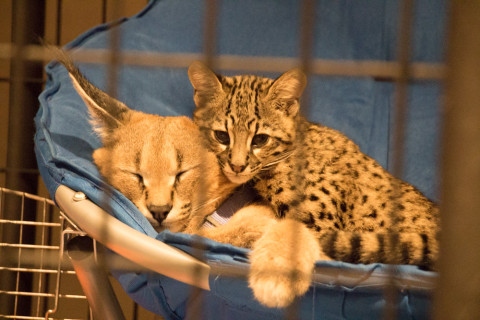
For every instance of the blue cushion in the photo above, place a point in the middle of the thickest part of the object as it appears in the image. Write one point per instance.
(360, 107)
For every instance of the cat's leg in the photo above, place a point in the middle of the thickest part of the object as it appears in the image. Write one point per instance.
(244, 228)
(282, 263)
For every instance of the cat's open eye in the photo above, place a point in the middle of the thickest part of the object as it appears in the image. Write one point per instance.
(259, 140)
(222, 137)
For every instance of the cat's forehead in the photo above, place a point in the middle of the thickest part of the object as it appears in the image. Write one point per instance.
(243, 84)
(244, 95)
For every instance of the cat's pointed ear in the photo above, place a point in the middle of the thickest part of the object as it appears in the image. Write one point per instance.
(107, 113)
(288, 88)
(205, 83)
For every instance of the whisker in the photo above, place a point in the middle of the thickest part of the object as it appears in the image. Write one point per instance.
(277, 160)
(201, 205)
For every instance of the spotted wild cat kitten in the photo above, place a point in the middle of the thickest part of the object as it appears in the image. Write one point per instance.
(163, 166)
(345, 197)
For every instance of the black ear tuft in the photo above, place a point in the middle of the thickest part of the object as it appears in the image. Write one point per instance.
(107, 113)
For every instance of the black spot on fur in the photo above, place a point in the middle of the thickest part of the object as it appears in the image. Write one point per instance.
(364, 199)
(335, 185)
(279, 190)
(381, 248)
(282, 210)
(355, 247)
(329, 245)
(405, 253)
(325, 191)
(311, 221)
(343, 207)
(313, 197)
(295, 203)
(373, 214)
(426, 262)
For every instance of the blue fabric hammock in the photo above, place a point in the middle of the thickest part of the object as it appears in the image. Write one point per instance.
(362, 108)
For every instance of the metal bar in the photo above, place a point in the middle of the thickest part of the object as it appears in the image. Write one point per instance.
(458, 296)
(35, 270)
(307, 28)
(306, 41)
(26, 195)
(44, 295)
(28, 17)
(93, 279)
(31, 223)
(388, 70)
(58, 277)
(210, 32)
(32, 318)
(195, 299)
(28, 246)
(404, 47)
(58, 32)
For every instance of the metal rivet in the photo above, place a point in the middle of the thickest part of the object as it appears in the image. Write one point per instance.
(79, 196)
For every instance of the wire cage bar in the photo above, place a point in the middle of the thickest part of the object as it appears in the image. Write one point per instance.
(32, 273)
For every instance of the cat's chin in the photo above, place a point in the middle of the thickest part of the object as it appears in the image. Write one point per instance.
(237, 178)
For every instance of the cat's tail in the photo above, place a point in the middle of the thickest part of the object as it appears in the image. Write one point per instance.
(413, 248)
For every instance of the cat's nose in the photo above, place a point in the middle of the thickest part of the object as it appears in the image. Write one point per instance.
(160, 212)
(237, 169)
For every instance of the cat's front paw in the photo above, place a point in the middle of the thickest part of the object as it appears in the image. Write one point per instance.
(282, 263)
(278, 288)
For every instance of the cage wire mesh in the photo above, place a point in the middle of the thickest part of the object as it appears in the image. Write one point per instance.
(32, 272)
(49, 226)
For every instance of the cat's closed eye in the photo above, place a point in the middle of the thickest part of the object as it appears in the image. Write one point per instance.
(259, 140)
(222, 137)
(137, 176)
(179, 175)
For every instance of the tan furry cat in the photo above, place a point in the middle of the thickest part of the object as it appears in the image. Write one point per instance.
(162, 165)
(358, 211)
